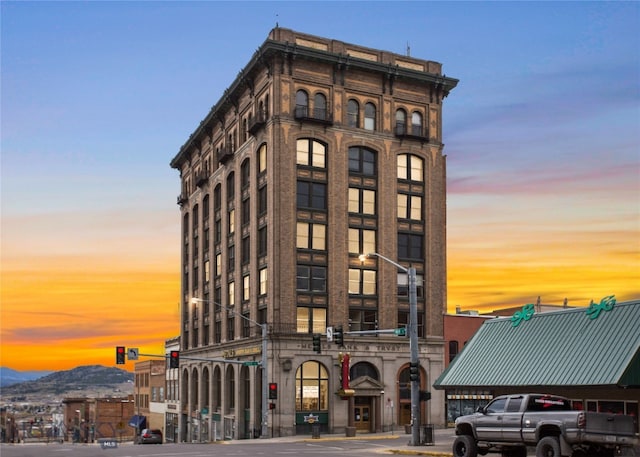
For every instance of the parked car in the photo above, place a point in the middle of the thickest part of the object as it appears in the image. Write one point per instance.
(510, 423)
(150, 436)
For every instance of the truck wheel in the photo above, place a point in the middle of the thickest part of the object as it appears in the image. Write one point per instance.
(549, 446)
(465, 446)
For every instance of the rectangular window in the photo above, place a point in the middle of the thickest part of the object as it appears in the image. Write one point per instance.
(217, 328)
(232, 221)
(262, 200)
(246, 250)
(231, 258)
(218, 271)
(311, 236)
(311, 320)
(246, 211)
(263, 281)
(311, 279)
(410, 246)
(246, 291)
(217, 228)
(262, 241)
(246, 326)
(262, 159)
(231, 329)
(362, 201)
(403, 285)
(231, 298)
(403, 321)
(409, 207)
(363, 320)
(311, 195)
(362, 282)
(361, 241)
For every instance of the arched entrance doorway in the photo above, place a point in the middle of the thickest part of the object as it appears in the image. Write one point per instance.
(366, 407)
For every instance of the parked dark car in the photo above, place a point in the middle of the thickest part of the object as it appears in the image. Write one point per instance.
(150, 436)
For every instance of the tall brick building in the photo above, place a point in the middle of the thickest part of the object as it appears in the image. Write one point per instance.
(317, 152)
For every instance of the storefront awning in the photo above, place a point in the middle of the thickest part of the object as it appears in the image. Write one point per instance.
(138, 422)
(595, 346)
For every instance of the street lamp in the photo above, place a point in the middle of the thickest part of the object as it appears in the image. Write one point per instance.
(265, 378)
(413, 344)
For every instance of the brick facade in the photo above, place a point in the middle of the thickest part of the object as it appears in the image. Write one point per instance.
(372, 121)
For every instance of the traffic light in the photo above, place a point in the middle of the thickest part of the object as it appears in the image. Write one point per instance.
(338, 336)
(316, 343)
(273, 391)
(174, 359)
(414, 371)
(120, 354)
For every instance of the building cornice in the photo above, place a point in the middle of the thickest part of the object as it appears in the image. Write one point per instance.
(270, 49)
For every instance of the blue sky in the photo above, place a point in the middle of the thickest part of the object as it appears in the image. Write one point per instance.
(542, 137)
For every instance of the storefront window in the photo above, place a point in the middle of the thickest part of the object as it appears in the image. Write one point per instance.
(312, 387)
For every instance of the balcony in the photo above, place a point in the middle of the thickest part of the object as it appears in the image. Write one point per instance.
(415, 132)
(201, 179)
(182, 199)
(257, 122)
(225, 154)
(318, 115)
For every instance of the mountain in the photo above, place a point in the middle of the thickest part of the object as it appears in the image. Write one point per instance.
(84, 378)
(10, 377)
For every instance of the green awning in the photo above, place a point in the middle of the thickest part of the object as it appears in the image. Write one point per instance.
(595, 346)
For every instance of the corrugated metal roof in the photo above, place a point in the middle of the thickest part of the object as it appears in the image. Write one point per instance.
(562, 348)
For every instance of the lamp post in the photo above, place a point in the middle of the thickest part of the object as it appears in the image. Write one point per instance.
(413, 344)
(264, 432)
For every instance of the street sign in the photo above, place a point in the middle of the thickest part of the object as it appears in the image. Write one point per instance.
(250, 364)
(329, 334)
(132, 353)
(400, 331)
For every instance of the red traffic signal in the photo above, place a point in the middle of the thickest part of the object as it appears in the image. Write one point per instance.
(120, 355)
(273, 391)
(174, 359)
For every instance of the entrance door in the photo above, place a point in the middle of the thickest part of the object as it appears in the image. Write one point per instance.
(362, 415)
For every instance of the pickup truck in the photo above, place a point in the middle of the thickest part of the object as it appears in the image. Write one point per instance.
(510, 423)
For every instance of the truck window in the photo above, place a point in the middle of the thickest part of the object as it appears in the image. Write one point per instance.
(514, 404)
(548, 403)
(497, 406)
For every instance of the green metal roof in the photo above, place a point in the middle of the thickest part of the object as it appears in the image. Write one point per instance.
(595, 346)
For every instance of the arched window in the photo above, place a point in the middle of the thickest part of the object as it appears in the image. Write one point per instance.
(231, 186)
(310, 153)
(217, 389)
(370, 116)
(416, 124)
(262, 159)
(245, 174)
(410, 167)
(312, 387)
(230, 389)
(302, 104)
(401, 122)
(353, 114)
(320, 107)
(364, 369)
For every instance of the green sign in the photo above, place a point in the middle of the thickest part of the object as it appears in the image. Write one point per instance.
(251, 364)
(606, 304)
(400, 331)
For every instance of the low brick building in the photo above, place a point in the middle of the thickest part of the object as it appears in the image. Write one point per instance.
(87, 419)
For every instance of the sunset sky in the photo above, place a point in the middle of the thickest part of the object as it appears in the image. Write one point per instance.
(542, 137)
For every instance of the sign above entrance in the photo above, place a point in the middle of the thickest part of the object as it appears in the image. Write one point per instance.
(311, 418)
